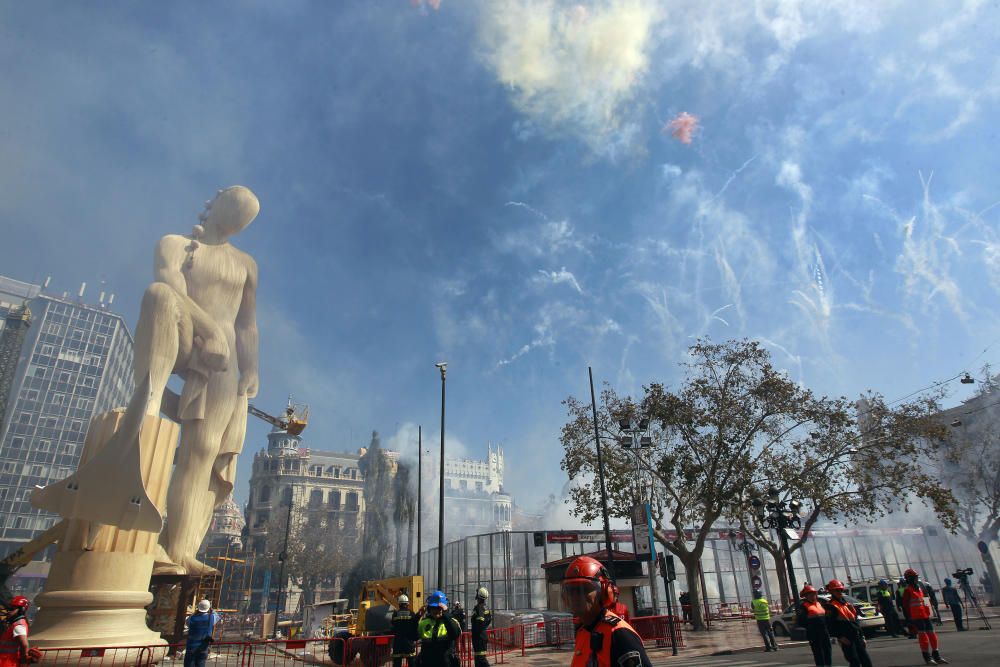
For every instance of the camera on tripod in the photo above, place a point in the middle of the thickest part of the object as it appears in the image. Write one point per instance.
(962, 575)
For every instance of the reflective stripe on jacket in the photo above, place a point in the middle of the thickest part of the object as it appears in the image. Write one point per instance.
(917, 606)
(761, 609)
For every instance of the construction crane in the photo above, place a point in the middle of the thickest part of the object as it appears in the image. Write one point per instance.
(17, 559)
(296, 417)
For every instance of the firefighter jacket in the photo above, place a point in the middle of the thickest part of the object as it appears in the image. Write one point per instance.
(842, 619)
(886, 601)
(10, 644)
(438, 637)
(812, 617)
(609, 642)
(482, 618)
(404, 633)
(916, 605)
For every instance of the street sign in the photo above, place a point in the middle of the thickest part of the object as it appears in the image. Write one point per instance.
(642, 532)
(754, 562)
(791, 534)
(757, 581)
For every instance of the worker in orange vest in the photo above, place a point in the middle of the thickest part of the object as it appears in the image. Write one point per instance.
(918, 609)
(842, 621)
(14, 648)
(602, 638)
(811, 615)
(617, 607)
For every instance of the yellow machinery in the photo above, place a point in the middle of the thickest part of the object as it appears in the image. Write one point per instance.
(379, 598)
(296, 417)
(21, 557)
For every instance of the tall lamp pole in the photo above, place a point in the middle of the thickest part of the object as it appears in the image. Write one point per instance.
(777, 514)
(420, 488)
(634, 438)
(600, 476)
(443, 367)
(282, 557)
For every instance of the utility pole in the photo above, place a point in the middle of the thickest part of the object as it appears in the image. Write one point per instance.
(600, 476)
(420, 489)
(443, 367)
(282, 557)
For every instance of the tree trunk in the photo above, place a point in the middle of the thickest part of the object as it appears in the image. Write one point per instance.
(781, 570)
(991, 570)
(692, 572)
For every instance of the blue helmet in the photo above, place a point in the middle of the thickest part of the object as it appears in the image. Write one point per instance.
(947, 582)
(437, 599)
(883, 582)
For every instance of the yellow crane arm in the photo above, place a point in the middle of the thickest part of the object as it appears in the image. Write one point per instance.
(17, 559)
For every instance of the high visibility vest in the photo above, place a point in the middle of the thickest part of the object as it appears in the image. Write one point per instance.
(10, 646)
(916, 604)
(814, 609)
(761, 609)
(426, 629)
(844, 610)
(585, 646)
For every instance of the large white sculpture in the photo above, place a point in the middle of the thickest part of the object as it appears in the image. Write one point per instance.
(198, 320)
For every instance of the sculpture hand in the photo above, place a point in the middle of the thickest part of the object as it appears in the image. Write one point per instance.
(214, 351)
(248, 384)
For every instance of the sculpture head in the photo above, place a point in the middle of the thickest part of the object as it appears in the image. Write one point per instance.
(232, 210)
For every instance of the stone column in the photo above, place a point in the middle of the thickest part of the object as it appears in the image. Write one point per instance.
(97, 597)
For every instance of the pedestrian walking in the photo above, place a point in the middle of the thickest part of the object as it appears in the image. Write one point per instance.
(481, 620)
(919, 609)
(602, 639)
(199, 636)
(842, 622)
(886, 601)
(404, 633)
(438, 633)
(762, 614)
(950, 596)
(685, 599)
(14, 647)
(811, 615)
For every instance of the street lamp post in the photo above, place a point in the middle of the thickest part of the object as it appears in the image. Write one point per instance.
(779, 515)
(282, 557)
(420, 490)
(634, 439)
(600, 476)
(443, 367)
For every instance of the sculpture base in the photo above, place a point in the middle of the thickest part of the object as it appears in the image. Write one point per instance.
(98, 586)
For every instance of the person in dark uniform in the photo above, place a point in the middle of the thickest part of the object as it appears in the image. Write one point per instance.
(481, 620)
(886, 601)
(458, 613)
(404, 633)
(842, 622)
(950, 596)
(438, 633)
(811, 615)
(602, 639)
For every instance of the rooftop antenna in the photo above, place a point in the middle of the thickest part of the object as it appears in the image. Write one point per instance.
(83, 286)
(100, 299)
(111, 299)
(45, 285)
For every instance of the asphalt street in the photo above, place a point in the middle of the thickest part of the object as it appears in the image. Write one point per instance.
(976, 647)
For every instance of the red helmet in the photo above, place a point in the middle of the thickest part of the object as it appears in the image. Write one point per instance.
(835, 585)
(911, 573)
(19, 601)
(807, 589)
(588, 571)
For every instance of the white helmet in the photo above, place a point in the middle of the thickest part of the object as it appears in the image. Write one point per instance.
(402, 599)
(482, 594)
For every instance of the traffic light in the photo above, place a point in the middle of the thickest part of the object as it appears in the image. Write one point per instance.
(539, 539)
(667, 567)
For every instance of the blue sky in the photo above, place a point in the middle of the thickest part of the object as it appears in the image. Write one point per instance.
(488, 183)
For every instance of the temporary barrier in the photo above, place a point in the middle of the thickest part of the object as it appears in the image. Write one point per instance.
(534, 634)
(657, 629)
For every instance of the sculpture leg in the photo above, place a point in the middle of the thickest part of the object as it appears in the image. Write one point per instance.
(163, 340)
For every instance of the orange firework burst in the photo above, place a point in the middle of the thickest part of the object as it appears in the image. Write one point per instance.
(682, 127)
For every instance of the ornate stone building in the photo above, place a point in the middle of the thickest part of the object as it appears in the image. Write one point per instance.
(475, 497)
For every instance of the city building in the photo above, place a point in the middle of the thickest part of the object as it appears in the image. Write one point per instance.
(474, 495)
(75, 361)
(226, 529)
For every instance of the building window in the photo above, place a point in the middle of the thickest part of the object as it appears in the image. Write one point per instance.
(336, 472)
(16, 443)
(354, 473)
(24, 418)
(352, 502)
(463, 485)
(58, 399)
(286, 496)
(315, 498)
(333, 500)
(265, 494)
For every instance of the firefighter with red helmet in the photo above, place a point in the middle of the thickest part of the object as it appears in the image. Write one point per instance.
(918, 609)
(811, 615)
(842, 622)
(617, 607)
(14, 648)
(603, 639)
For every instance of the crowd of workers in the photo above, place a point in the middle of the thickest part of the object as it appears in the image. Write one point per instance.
(836, 618)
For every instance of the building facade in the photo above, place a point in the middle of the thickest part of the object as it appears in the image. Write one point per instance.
(475, 497)
(75, 362)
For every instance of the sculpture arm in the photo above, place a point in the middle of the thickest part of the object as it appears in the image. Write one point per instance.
(170, 256)
(247, 339)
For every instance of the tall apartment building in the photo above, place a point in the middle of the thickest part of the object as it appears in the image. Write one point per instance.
(75, 361)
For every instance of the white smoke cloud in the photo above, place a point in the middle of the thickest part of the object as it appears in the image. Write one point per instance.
(562, 276)
(571, 68)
